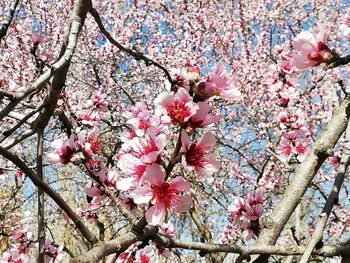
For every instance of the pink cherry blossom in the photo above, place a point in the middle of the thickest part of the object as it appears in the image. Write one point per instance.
(344, 26)
(63, 151)
(178, 107)
(133, 169)
(247, 212)
(237, 209)
(292, 143)
(52, 252)
(254, 206)
(311, 48)
(203, 117)
(218, 84)
(198, 156)
(89, 143)
(99, 101)
(292, 118)
(165, 197)
(37, 38)
(147, 149)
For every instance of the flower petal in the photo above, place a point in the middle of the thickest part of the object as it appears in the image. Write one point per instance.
(156, 214)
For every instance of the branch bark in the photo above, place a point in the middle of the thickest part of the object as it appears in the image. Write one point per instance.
(304, 174)
(5, 26)
(136, 55)
(85, 232)
(331, 200)
(41, 199)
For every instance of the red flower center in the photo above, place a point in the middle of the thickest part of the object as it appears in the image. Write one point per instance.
(196, 156)
(178, 112)
(164, 193)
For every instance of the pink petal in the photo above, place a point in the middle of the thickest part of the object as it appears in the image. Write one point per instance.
(208, 140)
(58, 145)
(161, 141)
(202, 112)
(209, 169)
(180, 184)
(156, 214)
(181, 203)
(211, 119)
(126, 183)
(304, 42)
(185, 140)
(53, 158)
(182, 95)
(164, 100)
(142, 195)
(186, 165)
(155, 174)
(150, 158)
(93, 191)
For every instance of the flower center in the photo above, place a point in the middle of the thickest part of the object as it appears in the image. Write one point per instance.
(178, 112)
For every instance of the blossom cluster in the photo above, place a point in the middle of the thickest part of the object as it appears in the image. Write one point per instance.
(247, 212)
(20, 251)
(142, 170)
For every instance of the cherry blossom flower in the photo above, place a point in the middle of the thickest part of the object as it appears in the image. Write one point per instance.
(237, 209)
(165, 197)
(198, 156)
(178, 107)
(202, 117)
(99, 102)
(52, 252)
(218, 84)
(63, 151)
(139, 118)
(254, 206)
(293, 118)
(37, 38)
(147, 149)
(291, 144)
(344, 26)
(311, 48)
(89, 143)
(133, 169)
(247, 212)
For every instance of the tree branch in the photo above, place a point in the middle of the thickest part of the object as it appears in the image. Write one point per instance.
(136, 55)
(85, 232)
(331, 201)
(304, 174)
(5, 26)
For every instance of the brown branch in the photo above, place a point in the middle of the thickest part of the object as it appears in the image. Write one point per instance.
(338, 61)
(331, 200)
(41, 199)
(304, 174)
(85, 232)
(80, 10)
(116, 245)
(342, 249)
(136, 55)
(5, 26)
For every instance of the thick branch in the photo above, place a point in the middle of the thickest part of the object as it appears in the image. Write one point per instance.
(304, 174)
(331, 200)
(5, 26)
(79, 14)
(326, 251)
(41, 199)
(116, 245)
